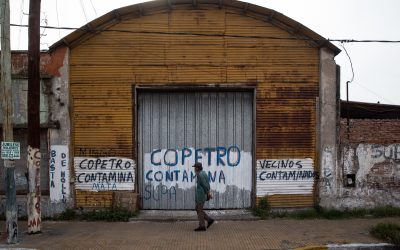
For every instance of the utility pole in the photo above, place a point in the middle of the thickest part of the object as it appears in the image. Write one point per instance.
(34, 195)
(6, 95)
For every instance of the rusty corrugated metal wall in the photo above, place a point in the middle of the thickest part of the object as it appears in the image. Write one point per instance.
(105, 67)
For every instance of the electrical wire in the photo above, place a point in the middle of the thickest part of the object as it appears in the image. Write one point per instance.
(58, 20)
(351, 63)
(372, 110)
(45, 20)
(20, 22)
(391, 102)
(352, 78)
(85, 28)
(93, 8)
(83, 9)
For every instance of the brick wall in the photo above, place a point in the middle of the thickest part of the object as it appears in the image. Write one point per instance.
(371, 131)
(50, 63)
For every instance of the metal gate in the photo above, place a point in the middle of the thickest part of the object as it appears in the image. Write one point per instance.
(177, 129)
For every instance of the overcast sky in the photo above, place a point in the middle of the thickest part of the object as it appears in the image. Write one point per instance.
(376, 65)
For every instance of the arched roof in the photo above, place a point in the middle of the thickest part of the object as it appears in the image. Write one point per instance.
(104, 22)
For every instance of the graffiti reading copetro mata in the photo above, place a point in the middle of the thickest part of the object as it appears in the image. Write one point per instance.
(285, 176)
(104, 174)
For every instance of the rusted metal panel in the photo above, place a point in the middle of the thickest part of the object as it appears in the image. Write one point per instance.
(87, 199)
(161, 7)
(202, 47)
(290, 201)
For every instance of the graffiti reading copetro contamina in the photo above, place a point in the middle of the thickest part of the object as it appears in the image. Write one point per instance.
(110, 173)
(99, 164)
(168, 173)
(173, 159)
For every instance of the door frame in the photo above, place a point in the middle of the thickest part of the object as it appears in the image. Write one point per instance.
(140, 88)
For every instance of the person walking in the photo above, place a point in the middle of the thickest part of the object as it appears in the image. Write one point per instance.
(202, 189)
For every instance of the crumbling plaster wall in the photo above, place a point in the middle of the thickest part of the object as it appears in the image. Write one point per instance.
(59, 107)
(55, 123)
(371, 152)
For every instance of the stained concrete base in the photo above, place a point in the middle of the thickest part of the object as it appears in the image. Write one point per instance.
(354, 246)
(190, 215)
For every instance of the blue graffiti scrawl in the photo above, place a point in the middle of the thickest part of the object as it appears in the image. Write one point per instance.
(172, 157)
(167, 170)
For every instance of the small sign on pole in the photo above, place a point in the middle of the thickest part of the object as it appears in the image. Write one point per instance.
(10, 150)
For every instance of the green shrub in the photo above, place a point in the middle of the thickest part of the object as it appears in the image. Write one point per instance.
(106, 214)
(387, 211)
(263, 208)
(68, 214)
(332, 214)
(304, 214)
(279, 214)
(387, 231)
(358, 213)
(113, 214)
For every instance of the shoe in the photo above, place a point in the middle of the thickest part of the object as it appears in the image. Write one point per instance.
(210, 223)
(200, 229)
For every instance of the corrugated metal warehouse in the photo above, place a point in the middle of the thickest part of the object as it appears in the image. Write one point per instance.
(147, 90)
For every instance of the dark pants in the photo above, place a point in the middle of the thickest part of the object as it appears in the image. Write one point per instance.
(201, 215)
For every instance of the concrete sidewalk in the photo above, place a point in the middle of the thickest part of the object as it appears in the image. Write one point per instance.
(269, 234)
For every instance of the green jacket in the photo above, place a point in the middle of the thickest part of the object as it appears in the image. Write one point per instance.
(202, 187)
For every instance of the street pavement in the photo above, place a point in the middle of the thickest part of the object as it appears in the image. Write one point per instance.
(226, 234)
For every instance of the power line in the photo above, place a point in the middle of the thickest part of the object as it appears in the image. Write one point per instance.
(84, 11)
(46, 21)
(372, 92)
(93, 7)
(85, 28)
(377, 110)
(58, 20)
(351, 63)
(376, 94)
(20, 22)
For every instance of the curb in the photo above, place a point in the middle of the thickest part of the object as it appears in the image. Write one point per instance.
(353, 246)
(190, 215)
(312, 248)
(191, 218)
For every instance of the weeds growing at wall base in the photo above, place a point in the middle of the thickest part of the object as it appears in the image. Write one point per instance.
(106, 214)
(263, 210)
(388, 232)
